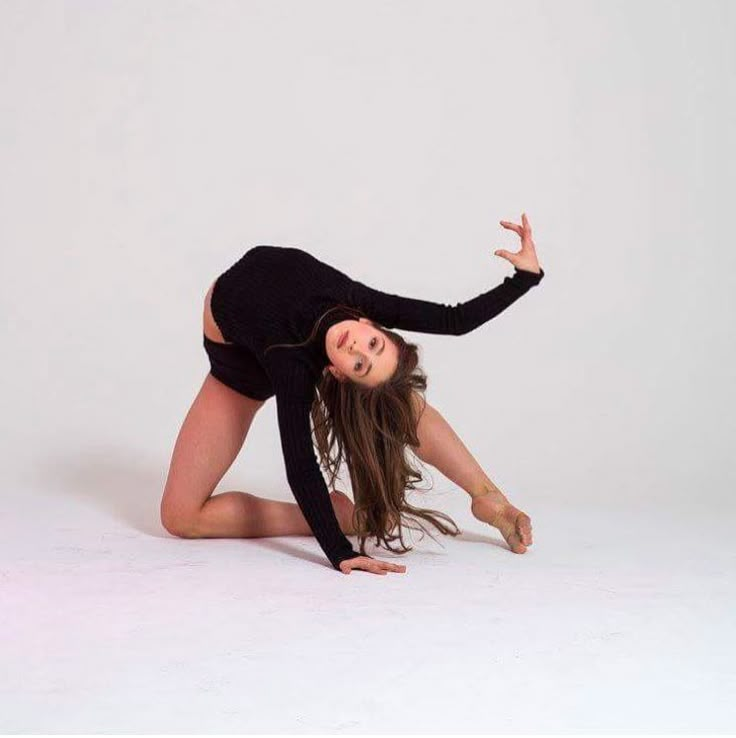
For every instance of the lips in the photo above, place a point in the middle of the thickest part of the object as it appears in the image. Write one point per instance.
(342, 339)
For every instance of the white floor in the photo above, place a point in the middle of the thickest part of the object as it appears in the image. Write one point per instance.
(616, 620)
(145, 146)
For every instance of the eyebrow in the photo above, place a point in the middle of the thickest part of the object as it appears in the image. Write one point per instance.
(378, 353)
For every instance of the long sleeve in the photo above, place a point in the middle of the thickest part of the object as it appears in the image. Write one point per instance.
(305, 476)
(423, 316)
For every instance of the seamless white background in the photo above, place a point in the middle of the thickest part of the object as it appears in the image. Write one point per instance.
(144, 146)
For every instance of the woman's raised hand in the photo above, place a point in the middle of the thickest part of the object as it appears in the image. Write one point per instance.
(526, 258)
(367, 563)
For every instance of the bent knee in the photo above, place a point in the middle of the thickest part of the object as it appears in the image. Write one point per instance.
(179, 525)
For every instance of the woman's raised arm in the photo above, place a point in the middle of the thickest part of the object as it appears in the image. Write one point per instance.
(412, 314)
(424, 316)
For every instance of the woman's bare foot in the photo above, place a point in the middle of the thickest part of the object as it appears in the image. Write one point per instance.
(516, 527)
(513, 524)
(344, 507)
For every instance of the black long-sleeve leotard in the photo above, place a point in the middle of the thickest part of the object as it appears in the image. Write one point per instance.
(274, 295)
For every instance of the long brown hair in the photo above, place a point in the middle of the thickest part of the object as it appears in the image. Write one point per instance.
(370, 428)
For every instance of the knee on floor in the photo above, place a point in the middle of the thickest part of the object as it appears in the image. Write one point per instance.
(181, 526)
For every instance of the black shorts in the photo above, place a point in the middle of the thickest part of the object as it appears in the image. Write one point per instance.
(237, 367)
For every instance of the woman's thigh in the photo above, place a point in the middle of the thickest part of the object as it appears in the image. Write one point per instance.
(210, 438)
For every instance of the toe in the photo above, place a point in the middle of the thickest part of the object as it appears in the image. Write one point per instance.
(516, 545)
(524, 528)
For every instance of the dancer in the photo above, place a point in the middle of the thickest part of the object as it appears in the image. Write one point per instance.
(281, 323)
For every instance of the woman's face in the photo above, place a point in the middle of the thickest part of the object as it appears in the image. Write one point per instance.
(366, 355)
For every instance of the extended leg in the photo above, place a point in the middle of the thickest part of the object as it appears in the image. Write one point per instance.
(441, 447)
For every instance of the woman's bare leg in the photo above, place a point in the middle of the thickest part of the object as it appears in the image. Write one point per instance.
(441, 447)
(236, 514)
(210, 438)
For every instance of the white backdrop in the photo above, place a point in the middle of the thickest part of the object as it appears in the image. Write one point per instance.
(144, 146)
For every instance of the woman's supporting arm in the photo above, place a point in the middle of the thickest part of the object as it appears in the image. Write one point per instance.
(306, 479)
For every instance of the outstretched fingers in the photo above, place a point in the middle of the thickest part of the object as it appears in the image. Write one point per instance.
(524, 230)
(512, 226)
(375, 566)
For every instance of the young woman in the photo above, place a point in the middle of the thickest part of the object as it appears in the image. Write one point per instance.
(281, 323)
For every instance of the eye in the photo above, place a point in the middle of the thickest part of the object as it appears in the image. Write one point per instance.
(373, 342)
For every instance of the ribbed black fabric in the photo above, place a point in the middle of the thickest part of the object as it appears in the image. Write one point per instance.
(273, 295)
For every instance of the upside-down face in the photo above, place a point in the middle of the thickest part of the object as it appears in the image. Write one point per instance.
(359, 352)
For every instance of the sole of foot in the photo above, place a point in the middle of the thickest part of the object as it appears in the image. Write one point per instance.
(516, 528)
